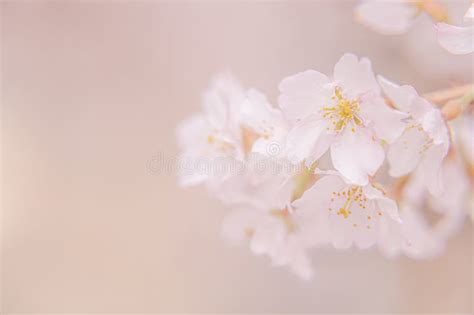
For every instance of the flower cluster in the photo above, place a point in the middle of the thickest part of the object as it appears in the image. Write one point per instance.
(349, 159)
(397, 16)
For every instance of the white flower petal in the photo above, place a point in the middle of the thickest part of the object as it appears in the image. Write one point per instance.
(420, 239)
(267, 236)
(258, 114)
(319, 194)
(404, 98)
(339, 239)
(434, 124)
(387, 123)
(469, 16)
(354, 76)
(387, 17)
(455, 39)
(385, 204)
(356, 155)
(262, 183)
(414, 237)
(456, 187)
(301, 94)
(192, 131)
(266, 232)
(322, 145)
(222, 102)
(401, 96)
(389, 207)
(308, 140)
(238, 223)
(405, 153)
(430, 168)
(292, 252)
(190, 176)
(301, 266)
(366, 238)
(266, 123)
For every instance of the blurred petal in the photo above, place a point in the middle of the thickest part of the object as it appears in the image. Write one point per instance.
(258, 114)
(267, 236)
(387, 17)
(238, 224)
(469, 16)
(430, 168)
(434, 124)
(455, 39)
(456, 187)
(191, 130)
(222, 101)
(267, 126)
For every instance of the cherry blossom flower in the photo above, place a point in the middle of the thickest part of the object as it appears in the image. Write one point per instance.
(417, 237)
(264, 215)
(262, 182)
(397, 16)
(233, 123)
(261, 160)
(264, 125)
(425, 141)
(348, 214)
(347, 115)
(414, 238)
(263, 194)
(214, 133)
(452, 200)
(278, 233)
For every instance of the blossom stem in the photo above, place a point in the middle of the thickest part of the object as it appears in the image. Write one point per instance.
(304, 181)
(440, 97)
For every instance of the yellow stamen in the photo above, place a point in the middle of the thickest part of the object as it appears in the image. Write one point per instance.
(344, 112)
(344, 212)
(211, 139)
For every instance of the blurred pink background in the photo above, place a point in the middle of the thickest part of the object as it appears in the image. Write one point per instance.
(92, 93)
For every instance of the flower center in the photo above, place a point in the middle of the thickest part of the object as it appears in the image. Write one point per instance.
(343, 112)
(220, 144)
(351, 194)
(285, 216)
(428, 142)
(365, 213)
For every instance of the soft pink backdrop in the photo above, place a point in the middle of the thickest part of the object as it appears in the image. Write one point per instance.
(92, 91)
